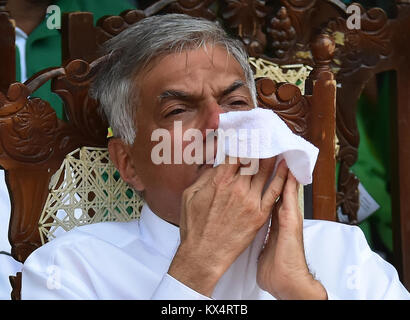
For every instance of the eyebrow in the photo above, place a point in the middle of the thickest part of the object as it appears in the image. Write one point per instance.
(186, 96)
(234, 86)
(173, 94)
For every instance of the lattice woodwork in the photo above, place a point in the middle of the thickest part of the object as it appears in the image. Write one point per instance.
(86, 189)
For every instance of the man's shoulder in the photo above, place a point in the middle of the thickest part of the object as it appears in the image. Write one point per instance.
(334, 246)
(336, 235)
(110, 231)
(117, 233)
(96, 235)
(104, 260)
(311, 225)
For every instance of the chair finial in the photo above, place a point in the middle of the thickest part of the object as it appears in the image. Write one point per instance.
(323, 48)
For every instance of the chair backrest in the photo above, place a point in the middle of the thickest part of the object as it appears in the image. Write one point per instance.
(34, 143)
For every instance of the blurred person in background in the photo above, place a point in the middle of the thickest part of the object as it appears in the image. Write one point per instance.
(39, 47)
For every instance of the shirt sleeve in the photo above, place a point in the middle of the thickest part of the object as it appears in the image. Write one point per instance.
(170, 288)
(44, 278)
(61, 270)
(380, 280)
(331, 295)
(348, 268)
(373, 277)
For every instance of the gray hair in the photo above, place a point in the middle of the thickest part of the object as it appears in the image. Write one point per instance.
(133, 49)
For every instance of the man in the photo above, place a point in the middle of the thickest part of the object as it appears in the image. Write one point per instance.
(38, 43)
(199, 231)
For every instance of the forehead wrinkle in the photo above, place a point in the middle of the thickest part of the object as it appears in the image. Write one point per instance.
(193, 87)
(227, 57)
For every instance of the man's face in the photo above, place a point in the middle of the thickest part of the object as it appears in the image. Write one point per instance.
(193, 88)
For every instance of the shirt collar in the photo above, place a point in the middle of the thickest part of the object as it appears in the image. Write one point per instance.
(158, 233)
(20, 33)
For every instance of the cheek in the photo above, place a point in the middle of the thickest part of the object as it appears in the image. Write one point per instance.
(169, 180)
(167, 177)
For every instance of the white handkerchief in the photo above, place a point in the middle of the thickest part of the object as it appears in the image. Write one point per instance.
(260, 134)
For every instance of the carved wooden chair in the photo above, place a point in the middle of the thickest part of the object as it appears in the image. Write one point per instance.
(34, 142)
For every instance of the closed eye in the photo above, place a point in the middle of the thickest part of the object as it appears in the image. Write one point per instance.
(175, 112)
(238, 102)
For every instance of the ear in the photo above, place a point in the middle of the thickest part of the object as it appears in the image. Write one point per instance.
(120, 154)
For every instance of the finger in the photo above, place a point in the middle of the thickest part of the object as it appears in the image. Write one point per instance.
(243, 179)
(271, 240)
(227, 170)
(290, 194)
(274, 225)
(290, 220)
(265, 171)
(205, 177)
(224, 169)
(202, 182)
(275, 187)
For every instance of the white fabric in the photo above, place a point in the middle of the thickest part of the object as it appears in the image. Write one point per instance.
(260, 134)
(8, 267)
(129, 260)
(21, 40)
(4, 214)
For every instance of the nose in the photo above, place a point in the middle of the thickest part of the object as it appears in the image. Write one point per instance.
(209, 125)
(211, 116)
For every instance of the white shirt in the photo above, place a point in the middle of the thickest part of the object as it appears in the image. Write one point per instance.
(8, 266)
(21, 40)
(130, 260)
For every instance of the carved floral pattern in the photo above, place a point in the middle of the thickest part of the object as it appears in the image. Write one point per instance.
(364, 47)
(196, 8)
(287, 102)
(247, 17)
(82, 110)
(108, 27)
(30, 130)
(28, 134)
(31, 127)
(300, 13)
(282, 33)
(348, 195)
